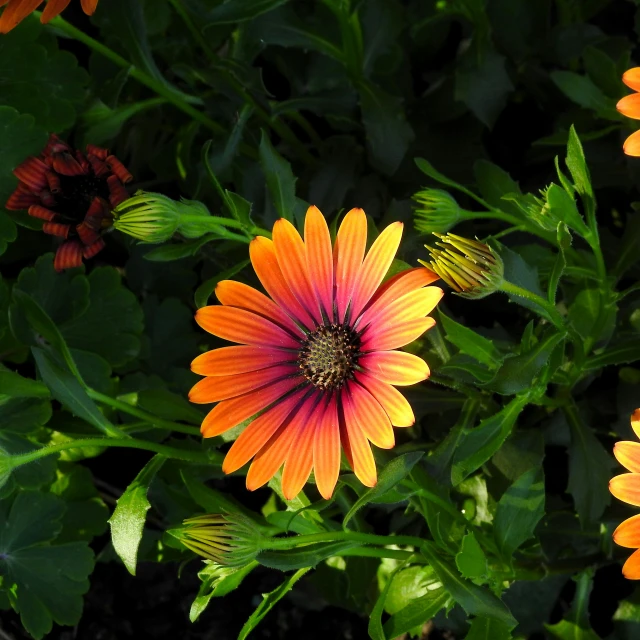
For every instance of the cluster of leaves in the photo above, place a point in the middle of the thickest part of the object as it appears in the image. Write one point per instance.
(257, 108)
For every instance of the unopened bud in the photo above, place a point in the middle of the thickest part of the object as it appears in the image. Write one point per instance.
(436, 211)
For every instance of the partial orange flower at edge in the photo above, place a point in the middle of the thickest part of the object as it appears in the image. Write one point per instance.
(629, 106)
(318, 356)
(17, 10)
(626, 487)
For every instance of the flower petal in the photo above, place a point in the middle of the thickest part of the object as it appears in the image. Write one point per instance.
(238, 325)
(393, 402)
(265, 263)
(229, 413)
(356, 446)
(15, 12)
(326, 450)
(635, 422)
(292, 258)
(629, 106)
(631, 78)
(628, 455)
(216, 388)
(233, 360)
(375, 266)
(626, 487)
(395, 367)
(371, 417)
(52, 9)
(631, 146)
(257, 434)
(628, 533)
(394, 337)
(68, 255)
(89, 6)
(236, 294)
(319, 257)
(271, 457)
(348, 253)
(631, 568)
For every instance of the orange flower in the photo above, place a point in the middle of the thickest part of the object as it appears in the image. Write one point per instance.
(626, 487)
(316, 358)
(630, 106)
(17, 10)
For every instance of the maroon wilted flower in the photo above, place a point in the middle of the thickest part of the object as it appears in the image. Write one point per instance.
(74, 193)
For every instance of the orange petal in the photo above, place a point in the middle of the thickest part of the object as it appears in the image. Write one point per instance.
(299, 462)
(271, 457)
(394, 337)
(265, 263)
(257, 434)
(356, 446)
(628, 455)
(395, 367)
(628, 533)
(630, 106)
(375, 266)
(348, 253)
(326, 450)
(372, 418)
(632, 78)
(15, 12)
(53, 8)
(320, 257)
(89, 6)
(238, 325)
(393, 402)
(229, 413)
(292, 258)
(216, 388)
(626, 487)
(631, 568)
(631, 146)
(236, 294)
(233, 360)
(635, 422)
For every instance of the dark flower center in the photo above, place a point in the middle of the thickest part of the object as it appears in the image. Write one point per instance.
(329, 356)
(77, 193)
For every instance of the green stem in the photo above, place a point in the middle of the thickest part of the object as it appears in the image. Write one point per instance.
(226, 222)
(170, 452)
(551, 312)
(337, 536)
(375, 552)
(171, 95)
(143, 415)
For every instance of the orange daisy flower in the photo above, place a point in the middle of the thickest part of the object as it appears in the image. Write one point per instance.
(626, 487)
(630, 106)
(316, 357)
(17, 10)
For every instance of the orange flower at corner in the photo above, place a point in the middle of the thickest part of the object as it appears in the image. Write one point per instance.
(626, 487)
(629, 106)
(17, 10)
(317, 357)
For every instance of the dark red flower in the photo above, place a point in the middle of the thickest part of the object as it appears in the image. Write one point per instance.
(74, 193)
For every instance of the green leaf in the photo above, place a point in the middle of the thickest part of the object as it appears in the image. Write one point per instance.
(517, 373)
(232, 11)
(518, 272)
(488, 629)
(68, 391)
(269, 601)
(48, 581)
(471, 343)
(280, 179)
(130, 514)
(624, 350)
(581, 90)
(576, 625)
(477, 445)
(603, 71)
(39, 80)
(14, 385)
(471, 560)
(564, 244)
(388, 132)
(211, 500)
(19, 138)
(627, 249)
(396, 471)
(494, 183)
(563, 207)
(307, 556)
(204, 291)
(519, 510)
(473, 599)
(584, 314)
(577, 165)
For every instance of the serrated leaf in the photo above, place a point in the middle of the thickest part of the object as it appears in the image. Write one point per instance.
(488, 629)
(577, 165)
(470, 342)
(130, 514)
(471, 560)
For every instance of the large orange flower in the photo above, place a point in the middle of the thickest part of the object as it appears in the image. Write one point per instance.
(630, 106)
(17, 10)
(316, 358)
(626, 487)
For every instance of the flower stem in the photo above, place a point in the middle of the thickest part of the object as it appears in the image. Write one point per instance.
(337, 536)
(551, 312)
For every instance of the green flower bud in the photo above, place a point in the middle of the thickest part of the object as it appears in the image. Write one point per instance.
(472, 269)
(436, 211)
(230, 539)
